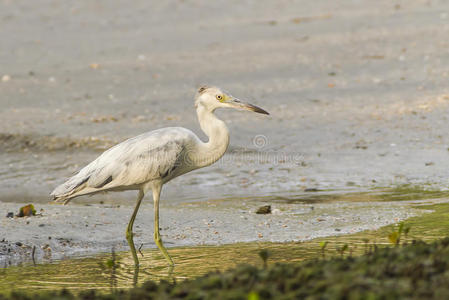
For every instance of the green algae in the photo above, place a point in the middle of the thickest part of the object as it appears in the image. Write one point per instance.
(414, 271)
(403, 192)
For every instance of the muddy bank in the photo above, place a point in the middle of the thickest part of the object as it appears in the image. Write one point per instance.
(109, 271)
(65, 231)
(357, 90)
(357, 93)
(34, 143)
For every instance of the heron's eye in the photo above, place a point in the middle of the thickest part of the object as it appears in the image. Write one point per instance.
(219, 97)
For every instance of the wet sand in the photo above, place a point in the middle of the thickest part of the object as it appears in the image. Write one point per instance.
(357, 93)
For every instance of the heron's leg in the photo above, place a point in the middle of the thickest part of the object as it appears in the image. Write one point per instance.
(129, 229)
(157, 237)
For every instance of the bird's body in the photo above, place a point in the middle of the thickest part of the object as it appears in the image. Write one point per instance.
(149, 160)
(156, 155)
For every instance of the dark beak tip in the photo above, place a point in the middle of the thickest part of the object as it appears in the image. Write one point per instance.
(261, 111)
(257, 109)
(250, 107)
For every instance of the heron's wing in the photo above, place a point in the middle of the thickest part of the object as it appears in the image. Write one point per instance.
(135, 161)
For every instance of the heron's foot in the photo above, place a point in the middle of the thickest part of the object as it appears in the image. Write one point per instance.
(160, 245)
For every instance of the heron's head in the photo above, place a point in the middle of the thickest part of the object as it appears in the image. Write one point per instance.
(212, 98)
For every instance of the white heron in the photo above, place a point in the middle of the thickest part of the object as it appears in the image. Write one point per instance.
(149, 160)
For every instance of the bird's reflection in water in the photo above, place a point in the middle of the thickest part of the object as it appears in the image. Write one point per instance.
(120, 271)
(134, 254)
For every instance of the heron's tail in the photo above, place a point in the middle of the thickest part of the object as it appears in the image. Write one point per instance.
(68, 190)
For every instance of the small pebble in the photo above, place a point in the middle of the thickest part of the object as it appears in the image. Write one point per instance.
(6, 78)
(263, 210)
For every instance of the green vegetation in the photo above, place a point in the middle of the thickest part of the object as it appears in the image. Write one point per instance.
(396, 235)
(407, 192)
(416, 270)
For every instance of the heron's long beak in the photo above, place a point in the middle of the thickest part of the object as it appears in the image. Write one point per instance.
(236, 103)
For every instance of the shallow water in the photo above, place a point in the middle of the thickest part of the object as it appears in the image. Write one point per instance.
(107, 272)
(59, 231)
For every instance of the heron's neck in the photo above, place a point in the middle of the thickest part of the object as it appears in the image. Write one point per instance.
(218, 135)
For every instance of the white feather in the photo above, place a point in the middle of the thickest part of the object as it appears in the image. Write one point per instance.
(149, 156)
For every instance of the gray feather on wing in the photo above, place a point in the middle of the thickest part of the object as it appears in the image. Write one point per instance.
(146, 157)
(137, 160)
